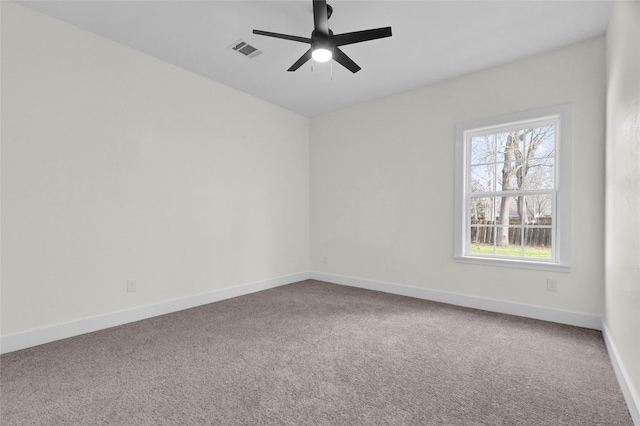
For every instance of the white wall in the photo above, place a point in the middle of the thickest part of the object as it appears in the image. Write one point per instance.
(622, 258)
(382, 192)
(118, 166)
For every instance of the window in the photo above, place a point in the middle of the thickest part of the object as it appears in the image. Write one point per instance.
(513, 190)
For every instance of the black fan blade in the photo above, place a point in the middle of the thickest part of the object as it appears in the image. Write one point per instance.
(320, 18)
(304, 58)
(345, 61)
(283, 36)
(360, 36)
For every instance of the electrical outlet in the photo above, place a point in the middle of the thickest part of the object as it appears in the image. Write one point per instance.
(552, 284)
(131, 286)
(324, 259)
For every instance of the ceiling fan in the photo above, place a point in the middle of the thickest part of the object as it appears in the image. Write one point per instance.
(324, 44)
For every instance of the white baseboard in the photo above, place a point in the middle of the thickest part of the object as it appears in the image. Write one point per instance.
(630, 394)
(492, 305)
(39, 336)
(17, 341)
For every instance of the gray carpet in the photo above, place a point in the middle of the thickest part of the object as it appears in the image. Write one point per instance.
(313, 353)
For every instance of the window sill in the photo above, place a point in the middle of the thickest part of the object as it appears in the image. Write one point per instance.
(508, 263)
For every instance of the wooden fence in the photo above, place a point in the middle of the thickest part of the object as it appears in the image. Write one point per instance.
(482, 232)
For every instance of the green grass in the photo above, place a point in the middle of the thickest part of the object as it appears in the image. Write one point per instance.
(512, 250)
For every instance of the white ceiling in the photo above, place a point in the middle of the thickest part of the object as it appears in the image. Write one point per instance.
(432, 40)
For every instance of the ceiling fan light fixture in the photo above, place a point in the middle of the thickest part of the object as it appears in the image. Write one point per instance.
(321, 54)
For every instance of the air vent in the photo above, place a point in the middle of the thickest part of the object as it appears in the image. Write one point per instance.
(245, 49)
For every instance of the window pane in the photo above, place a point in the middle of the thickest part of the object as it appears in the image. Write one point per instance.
(509, 145)
(482, 229)
(482, 240)
(508, 176)
(512, 248)
(483, 178)
(538, 230)
(538, 211)
(483, 149)
(540, 143)
(482, 210)
(537, 242)
(509, 158)
(507, 218)
(539, 174)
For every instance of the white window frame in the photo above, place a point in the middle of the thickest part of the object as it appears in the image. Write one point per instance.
(563, 171)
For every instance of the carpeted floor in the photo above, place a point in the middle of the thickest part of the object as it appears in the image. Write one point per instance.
(313, 353)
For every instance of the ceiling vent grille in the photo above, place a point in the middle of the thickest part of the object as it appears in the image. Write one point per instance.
(245, 49)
